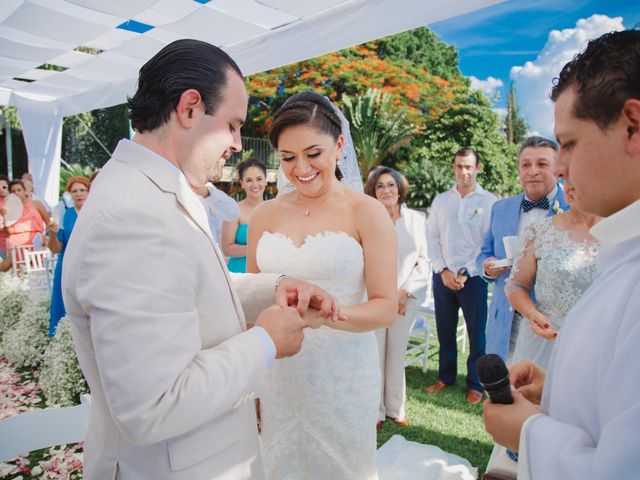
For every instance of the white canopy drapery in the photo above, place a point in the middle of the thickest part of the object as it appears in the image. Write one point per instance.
(100, 45)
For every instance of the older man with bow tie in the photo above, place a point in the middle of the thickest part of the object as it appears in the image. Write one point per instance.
(541, 197)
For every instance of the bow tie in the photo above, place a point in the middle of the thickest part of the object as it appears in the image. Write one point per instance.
(528, 205)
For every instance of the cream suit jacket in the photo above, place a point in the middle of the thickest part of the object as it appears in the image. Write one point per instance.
(159, 330)
(413, 259)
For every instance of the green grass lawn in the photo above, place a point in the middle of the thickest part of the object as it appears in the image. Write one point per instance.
(444, 418)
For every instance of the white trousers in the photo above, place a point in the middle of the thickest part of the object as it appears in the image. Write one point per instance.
(392, 348)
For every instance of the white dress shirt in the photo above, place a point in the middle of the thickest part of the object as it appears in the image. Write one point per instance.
(455, 228)
(591, 397)
(536, 214)
(219, 207)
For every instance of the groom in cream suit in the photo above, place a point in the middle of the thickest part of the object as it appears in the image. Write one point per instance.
(158, 327)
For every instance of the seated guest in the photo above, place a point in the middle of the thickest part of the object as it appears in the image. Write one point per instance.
(391, 188)
(32, 222)
(78, 187)
(253, 180)
(4, 193)
(557, 258)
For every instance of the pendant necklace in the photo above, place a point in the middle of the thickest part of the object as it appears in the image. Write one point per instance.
(307, 210)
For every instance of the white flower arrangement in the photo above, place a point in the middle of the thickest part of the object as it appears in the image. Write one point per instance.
(13, 294)
(24, 343)
(61, 379)
(556, 207)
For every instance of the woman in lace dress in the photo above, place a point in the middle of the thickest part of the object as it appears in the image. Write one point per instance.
(557, 259)
(320, 407)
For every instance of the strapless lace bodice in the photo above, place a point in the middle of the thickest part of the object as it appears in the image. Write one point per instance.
(332, 260)
(319, 409)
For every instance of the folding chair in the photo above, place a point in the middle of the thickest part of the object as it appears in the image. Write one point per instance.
(35, 269)
(18, 257)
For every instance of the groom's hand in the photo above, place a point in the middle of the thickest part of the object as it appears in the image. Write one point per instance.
(292, 291)
(284, 325)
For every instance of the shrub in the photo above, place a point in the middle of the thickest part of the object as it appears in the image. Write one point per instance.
(13, 294)
(24, 343)
(61, 379)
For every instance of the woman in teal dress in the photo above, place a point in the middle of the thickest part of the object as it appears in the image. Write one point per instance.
(78, 187)
(253, 180)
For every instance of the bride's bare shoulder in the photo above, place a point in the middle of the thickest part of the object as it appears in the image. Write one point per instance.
(361, 202)
(273, 206)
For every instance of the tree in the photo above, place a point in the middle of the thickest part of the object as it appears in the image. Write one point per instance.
(468, 123)
(421, 47)
(515, 127)
(89, 138)
(376, 130)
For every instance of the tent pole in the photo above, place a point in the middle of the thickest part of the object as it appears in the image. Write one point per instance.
(9, 147)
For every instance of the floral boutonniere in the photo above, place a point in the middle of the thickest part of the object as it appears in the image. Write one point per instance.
(476, 211)
(556, 207)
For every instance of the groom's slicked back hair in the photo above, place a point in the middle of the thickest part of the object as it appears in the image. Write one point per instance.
(605, 75)
(180, 66)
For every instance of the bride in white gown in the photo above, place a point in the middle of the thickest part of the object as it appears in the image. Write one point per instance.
(320, 408)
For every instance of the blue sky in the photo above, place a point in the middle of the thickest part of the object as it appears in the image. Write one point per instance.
(493, 40)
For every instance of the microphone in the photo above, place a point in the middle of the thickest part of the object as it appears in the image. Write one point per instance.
(494, 377)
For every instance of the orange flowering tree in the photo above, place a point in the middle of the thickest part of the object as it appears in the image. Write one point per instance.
(444, 114)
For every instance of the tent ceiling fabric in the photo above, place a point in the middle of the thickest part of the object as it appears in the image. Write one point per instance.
(259, 34)
(98, 46)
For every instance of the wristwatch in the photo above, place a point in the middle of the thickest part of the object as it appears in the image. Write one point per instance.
(465, 272)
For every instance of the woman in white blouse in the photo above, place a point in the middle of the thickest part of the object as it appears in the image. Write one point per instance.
(390, 188)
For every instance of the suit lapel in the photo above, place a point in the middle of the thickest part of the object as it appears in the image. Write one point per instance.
(194, 208)
(172, 181)
(513, 215)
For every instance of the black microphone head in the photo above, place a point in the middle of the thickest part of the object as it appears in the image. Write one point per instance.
(494, 377)
(491, 368)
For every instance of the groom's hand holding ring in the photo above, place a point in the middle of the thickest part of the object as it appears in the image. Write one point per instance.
(292, 291)
(285, 327)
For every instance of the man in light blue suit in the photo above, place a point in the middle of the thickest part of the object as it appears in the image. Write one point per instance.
(510, 216)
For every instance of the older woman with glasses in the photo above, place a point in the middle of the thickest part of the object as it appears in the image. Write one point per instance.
(390, 188)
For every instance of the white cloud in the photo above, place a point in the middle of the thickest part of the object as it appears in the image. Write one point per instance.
(533, 80)
(488, 86)
(502, 112)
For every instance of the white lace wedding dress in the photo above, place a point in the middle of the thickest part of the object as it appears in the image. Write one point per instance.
(320, 406)
(559, 268)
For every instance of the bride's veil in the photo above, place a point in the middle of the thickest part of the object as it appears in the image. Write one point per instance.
(348, 164)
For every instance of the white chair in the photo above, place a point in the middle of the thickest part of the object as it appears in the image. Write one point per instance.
(419, 353)
(50, 267)
(35, 269)
(43, 428)
(18, 257)
(424, 330)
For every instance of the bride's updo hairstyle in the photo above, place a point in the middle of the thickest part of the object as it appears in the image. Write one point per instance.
(307, 108)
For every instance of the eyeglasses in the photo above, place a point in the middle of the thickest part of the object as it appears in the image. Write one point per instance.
(389, 186)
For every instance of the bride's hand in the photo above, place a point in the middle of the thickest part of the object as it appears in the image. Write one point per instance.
(304, 295)
(312, 319)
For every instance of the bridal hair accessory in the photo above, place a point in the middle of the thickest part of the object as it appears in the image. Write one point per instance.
(348, 163)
